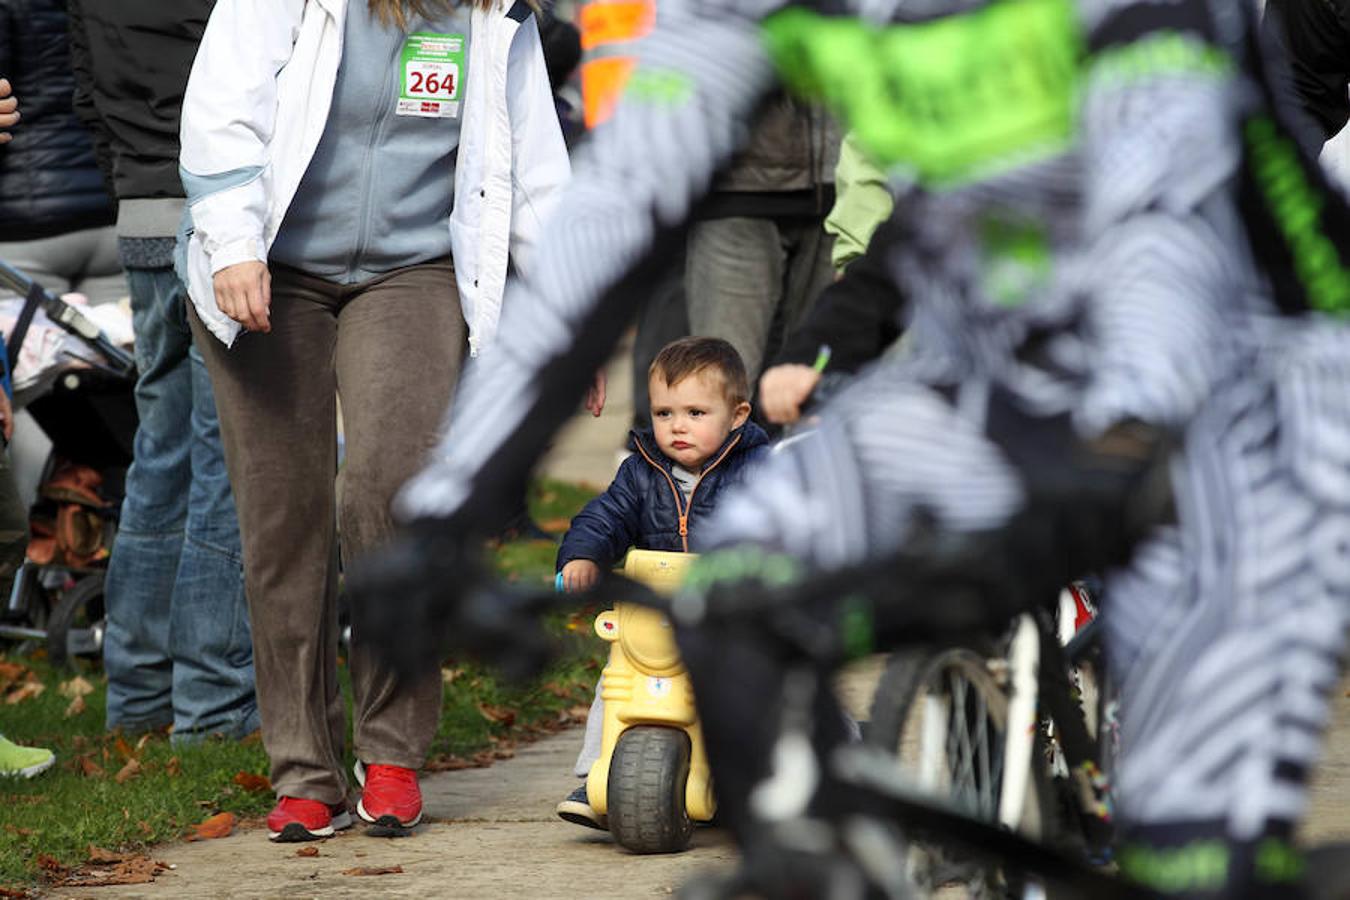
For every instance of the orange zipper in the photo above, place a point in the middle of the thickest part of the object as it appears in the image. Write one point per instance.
(683, 511)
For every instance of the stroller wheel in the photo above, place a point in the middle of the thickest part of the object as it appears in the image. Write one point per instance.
(77, 624)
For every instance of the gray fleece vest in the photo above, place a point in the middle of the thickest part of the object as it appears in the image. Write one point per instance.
(378, 193)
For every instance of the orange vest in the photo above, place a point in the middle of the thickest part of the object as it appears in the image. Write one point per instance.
(609, 30)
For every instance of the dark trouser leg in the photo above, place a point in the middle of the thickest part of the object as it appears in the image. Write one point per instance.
(400, 344)
(276, 396)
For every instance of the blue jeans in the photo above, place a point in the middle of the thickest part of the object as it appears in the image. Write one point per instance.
(178, 647)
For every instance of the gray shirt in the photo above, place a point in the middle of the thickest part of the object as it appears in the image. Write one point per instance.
(378, 193)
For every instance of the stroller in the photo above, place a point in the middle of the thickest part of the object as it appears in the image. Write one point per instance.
(84, 403)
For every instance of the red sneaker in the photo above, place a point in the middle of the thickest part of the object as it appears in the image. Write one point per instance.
(390, 800)
(297, 819)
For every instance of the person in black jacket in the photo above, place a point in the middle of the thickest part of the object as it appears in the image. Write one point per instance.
(852, 323)
(1315, 35)
(178, 647)
(701, 443)
(55, 213)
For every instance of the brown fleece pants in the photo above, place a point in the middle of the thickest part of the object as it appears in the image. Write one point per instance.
(392, 349)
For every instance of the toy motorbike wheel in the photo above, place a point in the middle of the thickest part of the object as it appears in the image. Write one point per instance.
(78, 622)
(647, 777)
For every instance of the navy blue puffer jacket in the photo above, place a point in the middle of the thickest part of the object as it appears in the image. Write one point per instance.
(644, 507)
(50, 182)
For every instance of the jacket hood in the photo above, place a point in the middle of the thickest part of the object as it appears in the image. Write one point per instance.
(750, 433)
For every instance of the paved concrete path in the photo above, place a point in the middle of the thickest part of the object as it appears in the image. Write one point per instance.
(491, 834)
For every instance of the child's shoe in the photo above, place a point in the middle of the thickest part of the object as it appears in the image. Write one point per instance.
(24, 762)
(390, 801)
(578, 810)
(296, 819)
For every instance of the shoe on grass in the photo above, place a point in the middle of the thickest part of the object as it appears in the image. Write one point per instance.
(390, 801)
(24, 762)
(296, 819)
(576, 808)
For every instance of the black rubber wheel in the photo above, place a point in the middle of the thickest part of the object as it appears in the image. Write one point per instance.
(77, 623)
(967, 767)
(647, 777)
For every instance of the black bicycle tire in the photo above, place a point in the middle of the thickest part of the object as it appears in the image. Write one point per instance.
(906, 672)
(63, 616)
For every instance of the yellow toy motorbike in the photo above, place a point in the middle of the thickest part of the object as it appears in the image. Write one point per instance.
(652, 778)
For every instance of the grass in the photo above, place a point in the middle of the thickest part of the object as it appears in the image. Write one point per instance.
(121, 793)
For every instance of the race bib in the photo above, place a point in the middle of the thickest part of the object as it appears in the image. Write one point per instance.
(432, 76)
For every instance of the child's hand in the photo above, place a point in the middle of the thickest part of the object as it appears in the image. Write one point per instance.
(580, 574)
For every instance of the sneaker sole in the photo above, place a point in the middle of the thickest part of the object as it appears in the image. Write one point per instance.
(387, 825)
(581, 814)
(31, 771)
(295, 833)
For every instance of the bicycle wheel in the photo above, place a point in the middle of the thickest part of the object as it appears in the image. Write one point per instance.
(943, 713)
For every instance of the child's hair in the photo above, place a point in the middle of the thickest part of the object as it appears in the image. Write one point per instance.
(689, 356)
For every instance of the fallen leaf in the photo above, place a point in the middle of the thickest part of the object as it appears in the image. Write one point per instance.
(503, 753)
(561, 691)
(123, 748)
(89, 768)
(173, 766)
(218, 826)
(450, 764)
(502, 715)
(21, 832)
(145, 739)
(253, 782)
(100, 857)
(77, 706)
(126, 870)
(145, 828)
(448, 676)
(374, 870)
(12, 892)
(128, 772)
(307, 851)
(26, 691)
(75, 687)
(50, 864)
(578, 713)
(556, 526)
(11, 672)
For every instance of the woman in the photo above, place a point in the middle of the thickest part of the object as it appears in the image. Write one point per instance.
(358, 172)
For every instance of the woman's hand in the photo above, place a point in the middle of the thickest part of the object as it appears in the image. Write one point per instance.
(783, 390)
(244, 293)
(9, 110)
(595, 394)
(580, 574)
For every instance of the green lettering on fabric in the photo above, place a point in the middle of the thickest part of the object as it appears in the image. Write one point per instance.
(1017, 260)
(952, 99)
(1167, 52)
(1297, 206)
(666, 87)
(1197, 866)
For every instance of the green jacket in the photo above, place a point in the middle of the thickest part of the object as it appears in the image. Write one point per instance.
(862, 202)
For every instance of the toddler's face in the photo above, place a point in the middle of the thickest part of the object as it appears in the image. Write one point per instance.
(693, 417)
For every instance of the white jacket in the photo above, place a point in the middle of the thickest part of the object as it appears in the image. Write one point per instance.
(256, 105)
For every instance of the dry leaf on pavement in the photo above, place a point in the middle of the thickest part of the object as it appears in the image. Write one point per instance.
(129, 869)
(374, 870)
(307, 851)
(218, 826)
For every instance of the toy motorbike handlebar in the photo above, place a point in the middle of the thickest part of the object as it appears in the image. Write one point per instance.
(66, 316)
